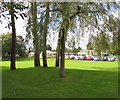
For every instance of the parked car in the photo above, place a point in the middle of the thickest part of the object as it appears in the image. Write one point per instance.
(67, 57)
(111, 58)
(82, 57)
(104, 58)
(89, 58)
(76, 58)
(96, 58)
(72, 57)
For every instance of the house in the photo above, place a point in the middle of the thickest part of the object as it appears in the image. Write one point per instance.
(92, 52)
(31, 54)
(48, 52)
(88, 52)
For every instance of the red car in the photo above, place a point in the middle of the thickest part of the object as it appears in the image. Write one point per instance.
(89, 58)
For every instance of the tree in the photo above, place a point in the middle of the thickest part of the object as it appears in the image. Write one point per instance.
(65, 27)
(90, 46)
(7, 45)
(42, 29)
(71, 44)
(13, 51)
(12, 7)
(76, 50)
(100, 43)
(58, 49)
(87, 16)
(21, 46)
(46, 22)
(115, 41)
(35, 34)
(103, 41)
(49, 47)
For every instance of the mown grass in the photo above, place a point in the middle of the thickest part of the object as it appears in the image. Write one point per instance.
(84, 79)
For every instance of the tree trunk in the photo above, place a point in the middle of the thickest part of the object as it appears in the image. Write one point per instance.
(44, 59)
(64, 30)
(37, 58)
(57, 58)
(58, 51)
(13, 51)
(46, 22)
(35, 35)
(57, 63)
(62, 52)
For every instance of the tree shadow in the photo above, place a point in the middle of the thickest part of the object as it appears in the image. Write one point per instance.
(45, 82)
(25, 59)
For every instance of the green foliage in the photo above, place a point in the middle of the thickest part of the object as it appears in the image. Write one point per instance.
(49, 47)
(89, 14)
(21, 46)
(115, 44)
(90, 46)
(17, 7)
(76, 50)
(71, 43)
(7, 44)
(100, 43)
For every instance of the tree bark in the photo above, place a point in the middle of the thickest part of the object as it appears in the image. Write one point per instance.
(44, 59)
(37, 58)
(46, 22)
(62, 52)
(13, 51)
(35, 35)
(58, 50)
(64, 30)
(57, 58)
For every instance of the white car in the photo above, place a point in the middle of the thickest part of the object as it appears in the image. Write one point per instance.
(77, 58)
(111, 58)
(67, 57)
(72, 57)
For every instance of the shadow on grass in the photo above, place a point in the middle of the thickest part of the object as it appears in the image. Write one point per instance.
(40, 82)
(30, 59)
(25, 59)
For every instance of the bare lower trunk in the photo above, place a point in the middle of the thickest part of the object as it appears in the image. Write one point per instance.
(58, 48)
(13, 51)
(57, 58)
(44, 59)
(62, 56)
(58, 53)
(36, 58)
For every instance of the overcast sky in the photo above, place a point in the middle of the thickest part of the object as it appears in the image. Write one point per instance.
(20, 30)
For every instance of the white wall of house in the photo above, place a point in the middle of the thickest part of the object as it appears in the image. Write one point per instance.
(49, 54)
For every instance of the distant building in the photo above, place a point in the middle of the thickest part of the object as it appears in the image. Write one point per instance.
(92, 52)
(48, 52)
(51, 54)
(88, 52)
(31, 54)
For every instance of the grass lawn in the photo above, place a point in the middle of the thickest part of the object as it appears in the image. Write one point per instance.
(84, 79)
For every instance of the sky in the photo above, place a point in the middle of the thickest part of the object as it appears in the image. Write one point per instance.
(20, 30)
